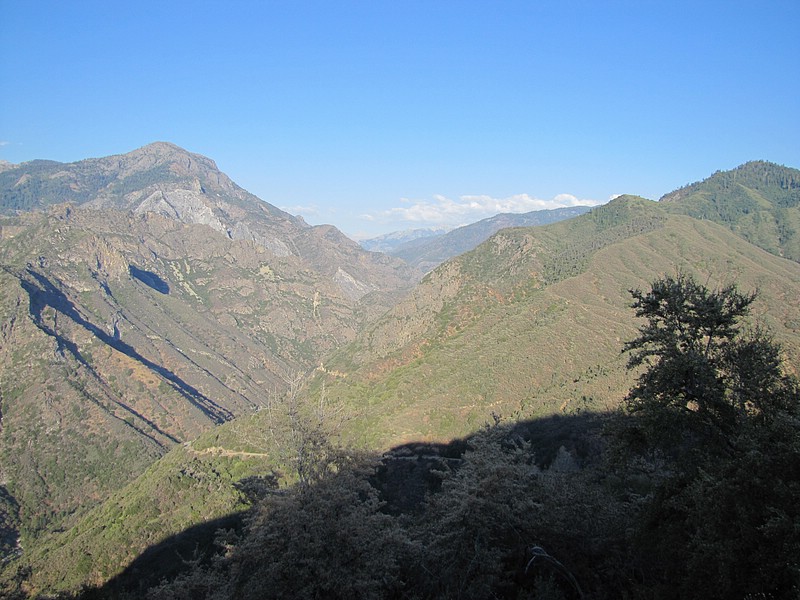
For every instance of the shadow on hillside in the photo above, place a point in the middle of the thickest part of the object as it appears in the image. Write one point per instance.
(405, 476)
(168, 558)
(150, 279)
(43, 293)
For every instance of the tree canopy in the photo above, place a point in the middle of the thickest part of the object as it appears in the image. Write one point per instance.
(713, 514)
(715, 403)
(703, 378)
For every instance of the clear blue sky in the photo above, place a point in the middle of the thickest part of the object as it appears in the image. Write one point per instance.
(377, 116)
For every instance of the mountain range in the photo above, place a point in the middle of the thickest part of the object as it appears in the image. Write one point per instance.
(147, 299)
(389, 241)
(163, 331)
(426, 251)
(759, 201)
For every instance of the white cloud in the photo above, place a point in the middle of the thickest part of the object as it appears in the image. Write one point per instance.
(468, 209)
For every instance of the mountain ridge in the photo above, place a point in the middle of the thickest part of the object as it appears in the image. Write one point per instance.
(758, 200)
(455, 331)
(158, 301)
(390, 241)
(162, 178)
(530, 324)
(427, 253)
(118, 325)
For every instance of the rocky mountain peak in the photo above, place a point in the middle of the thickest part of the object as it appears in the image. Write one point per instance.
(164, 179)
(180, 161)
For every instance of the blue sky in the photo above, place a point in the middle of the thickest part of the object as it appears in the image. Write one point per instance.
(377, 116)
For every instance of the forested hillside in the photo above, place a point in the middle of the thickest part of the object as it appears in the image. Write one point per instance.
(427, 253)
(160, 302)
(135, 334)
(689, 491)
(531, 322)
(758, 200)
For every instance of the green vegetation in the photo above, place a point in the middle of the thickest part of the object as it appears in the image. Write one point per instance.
(545, 509)
(110, 375)
(717, 408)
(514, 357)
(39, 183)
(190, 486)
(428, 252)
(620, 219)
(486, 333)
(696, 375)
(106, 374)
(759, 201)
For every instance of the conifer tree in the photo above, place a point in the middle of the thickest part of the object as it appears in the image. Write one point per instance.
(717, 405)
(688, 393)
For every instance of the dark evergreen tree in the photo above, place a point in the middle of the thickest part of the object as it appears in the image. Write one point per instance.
(717, 406)
(686, 395)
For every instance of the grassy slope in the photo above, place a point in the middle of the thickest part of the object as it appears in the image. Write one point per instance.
(428, 253)
(758, 200)
(529, 324)
(550, 349)
(190, 487)
(193, 483)
(106, 372)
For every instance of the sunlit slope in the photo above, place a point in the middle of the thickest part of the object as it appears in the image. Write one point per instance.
(144, 299)
(533, 322)
(758, 200)
(186, 487)
(122, 335)
(194, 483)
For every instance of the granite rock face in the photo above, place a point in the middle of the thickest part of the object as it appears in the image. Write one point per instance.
(163, 179)
(146, 298)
